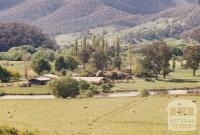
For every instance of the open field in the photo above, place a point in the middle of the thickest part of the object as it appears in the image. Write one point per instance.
(95, 116)
(18, 66)
(179, 79)
(34, 90)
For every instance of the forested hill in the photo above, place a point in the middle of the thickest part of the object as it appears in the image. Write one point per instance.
(17, 34)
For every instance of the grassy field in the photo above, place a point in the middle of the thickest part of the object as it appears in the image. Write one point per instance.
(179, 79)
(108, 116)
(34, 90)
(18, 66)
(14, 88)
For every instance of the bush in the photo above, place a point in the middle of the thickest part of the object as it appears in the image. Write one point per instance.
(144, 93)
(17, 53)
(71, 63)
(94, 89)
(84, 74)
(64, 87)
(5, 75)
(44, 53)
(85, 94)
(13, 131)
(2, 94)
(63, 72)
(60, 63)
(106, 88)
(15, 75)
(40, 65)
(27, 133)
(83, 85)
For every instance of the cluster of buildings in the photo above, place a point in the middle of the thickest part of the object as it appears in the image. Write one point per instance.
(44, 79)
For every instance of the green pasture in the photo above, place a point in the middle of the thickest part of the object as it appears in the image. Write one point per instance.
(34, 90)
(18, 66)
(180, 78)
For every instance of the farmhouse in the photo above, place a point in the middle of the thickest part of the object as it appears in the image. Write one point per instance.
(94, 80)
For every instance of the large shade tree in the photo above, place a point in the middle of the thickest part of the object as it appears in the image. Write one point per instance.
(99, 59)
(192, 56)
(40, 65)
(157, 55)
(60, 63)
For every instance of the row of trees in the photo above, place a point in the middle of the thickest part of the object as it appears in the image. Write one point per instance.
(156, 58)
(98, 54)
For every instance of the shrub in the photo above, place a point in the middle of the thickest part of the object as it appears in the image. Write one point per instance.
(94, 89)
(27, 133)
(87, 90)
(15, 75)
(5, 75)
(2, 94)
(64, 87)
(40, 65)
(84, 74)
(60, 63)
(71, 63)
(13, 131)
(17, 53)
(44, 53)
(83, 85)
(106, 88)
(85, 94)
(144, 93)
(63, 72)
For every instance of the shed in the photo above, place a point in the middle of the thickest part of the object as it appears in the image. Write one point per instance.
(42, 80)
(51, 76)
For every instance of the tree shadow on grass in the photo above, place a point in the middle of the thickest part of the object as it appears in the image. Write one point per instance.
(181, 80)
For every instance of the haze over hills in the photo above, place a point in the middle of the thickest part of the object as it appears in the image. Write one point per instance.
(65, 16)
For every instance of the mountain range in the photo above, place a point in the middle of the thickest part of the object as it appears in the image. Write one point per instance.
(67, 16)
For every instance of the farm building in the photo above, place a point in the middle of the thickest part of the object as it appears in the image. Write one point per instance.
(94, 80)
(43, 80)
(51, 76)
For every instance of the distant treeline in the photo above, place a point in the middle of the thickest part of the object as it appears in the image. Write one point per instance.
(17, 34)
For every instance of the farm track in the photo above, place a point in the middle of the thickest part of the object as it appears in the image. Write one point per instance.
(136, 122)
(118, 110)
